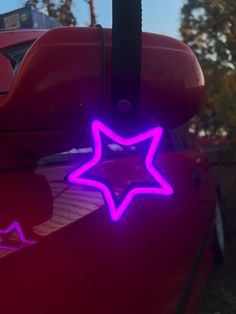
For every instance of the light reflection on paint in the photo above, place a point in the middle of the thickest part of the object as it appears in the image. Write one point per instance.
(15, 226)
(116, 213)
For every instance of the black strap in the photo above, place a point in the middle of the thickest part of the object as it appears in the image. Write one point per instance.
(126, 56)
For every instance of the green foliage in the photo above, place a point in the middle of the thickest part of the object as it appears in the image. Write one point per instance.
(209, 28)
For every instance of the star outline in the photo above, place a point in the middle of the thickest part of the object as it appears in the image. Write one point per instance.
(15, 225)
(117, 212)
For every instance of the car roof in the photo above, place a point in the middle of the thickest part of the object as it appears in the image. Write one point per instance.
(15, 37)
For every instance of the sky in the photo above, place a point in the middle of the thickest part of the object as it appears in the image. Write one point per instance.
(159, 16)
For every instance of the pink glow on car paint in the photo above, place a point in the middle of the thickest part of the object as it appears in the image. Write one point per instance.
(15, 226)
(117, 212)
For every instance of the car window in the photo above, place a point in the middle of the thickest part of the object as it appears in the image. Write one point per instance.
(185, 139)
(167, 144)
(16, 54)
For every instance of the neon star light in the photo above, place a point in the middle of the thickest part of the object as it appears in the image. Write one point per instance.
(78, 176)
(15, 226)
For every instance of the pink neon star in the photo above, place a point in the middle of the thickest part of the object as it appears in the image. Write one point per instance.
(164, 187)
(15, 226)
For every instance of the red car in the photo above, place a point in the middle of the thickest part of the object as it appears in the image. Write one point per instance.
(95, 218)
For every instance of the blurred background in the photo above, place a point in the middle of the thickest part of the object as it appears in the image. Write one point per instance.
(209, 28)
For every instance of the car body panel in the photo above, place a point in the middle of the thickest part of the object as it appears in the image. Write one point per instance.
(15, 37)
(171, 80)
(67, 255)
(85, 263)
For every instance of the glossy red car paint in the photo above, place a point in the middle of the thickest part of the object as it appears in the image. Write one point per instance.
(15, 37)
(66, 64)
(140, 265)
(154, 258)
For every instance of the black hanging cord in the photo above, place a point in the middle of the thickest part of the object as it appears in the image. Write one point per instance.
(126, 57)
(103, 69)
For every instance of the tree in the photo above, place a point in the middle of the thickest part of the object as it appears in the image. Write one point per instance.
(93, 20)
(60, 11)
(209, 28)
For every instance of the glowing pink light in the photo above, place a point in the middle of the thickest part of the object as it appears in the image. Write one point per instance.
(15, 226)
(117, 212)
